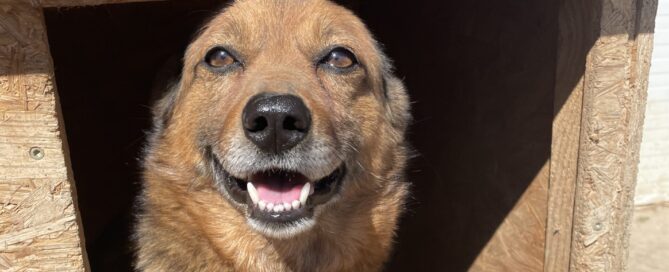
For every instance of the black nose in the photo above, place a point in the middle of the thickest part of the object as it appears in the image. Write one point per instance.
(276, 123)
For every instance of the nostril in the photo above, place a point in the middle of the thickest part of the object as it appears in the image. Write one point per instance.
(258, 124)
(276, 123)
(292, 123)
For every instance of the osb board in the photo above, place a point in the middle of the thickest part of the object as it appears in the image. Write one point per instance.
(613, 104)
(481, 77)
(578, 30)
(38, 224)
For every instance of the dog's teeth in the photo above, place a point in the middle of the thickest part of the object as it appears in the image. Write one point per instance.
(270, 206)
(287, 207)
(262, 205)
(304, 194)
(311, 190)
(278, 207)
(296, 204)
(253, 193)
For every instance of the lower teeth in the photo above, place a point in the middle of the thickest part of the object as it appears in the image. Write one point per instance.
(305, 192)
(279, 207)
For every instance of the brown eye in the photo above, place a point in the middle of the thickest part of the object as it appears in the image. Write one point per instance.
(219, 58)
(340, 58)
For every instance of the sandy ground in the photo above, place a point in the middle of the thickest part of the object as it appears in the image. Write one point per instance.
(649, 241)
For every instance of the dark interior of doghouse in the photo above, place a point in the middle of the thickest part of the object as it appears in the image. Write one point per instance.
(480, 74)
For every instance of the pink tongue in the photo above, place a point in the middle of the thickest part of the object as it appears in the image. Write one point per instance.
(284, 193)
(279, 187)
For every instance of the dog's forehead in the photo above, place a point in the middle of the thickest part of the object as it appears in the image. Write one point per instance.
(267, 33)
(307, 23)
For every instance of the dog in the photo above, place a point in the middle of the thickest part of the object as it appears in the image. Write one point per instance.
(280, 148)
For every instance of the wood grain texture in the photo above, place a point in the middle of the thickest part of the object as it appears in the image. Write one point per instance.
(576, 34)
(613, 104)
(38, 222)
(74, 3)
(518, 243)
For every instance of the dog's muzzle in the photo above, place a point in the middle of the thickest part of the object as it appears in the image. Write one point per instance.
(275, 184)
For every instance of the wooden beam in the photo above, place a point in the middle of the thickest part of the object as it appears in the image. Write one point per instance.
(39, 229)
(614, 93)
(77, 3)
(578, 29)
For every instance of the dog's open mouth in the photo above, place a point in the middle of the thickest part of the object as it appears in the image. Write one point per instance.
(280, 196)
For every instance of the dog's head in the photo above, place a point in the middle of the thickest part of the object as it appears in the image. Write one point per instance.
(289, 108)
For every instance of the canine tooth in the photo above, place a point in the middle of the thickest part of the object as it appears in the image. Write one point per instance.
(296, 204)
(262, 205)
(253, 193)
(278, 208)
(304, 194)
(311, 190)
(287, 207)
(270, 206)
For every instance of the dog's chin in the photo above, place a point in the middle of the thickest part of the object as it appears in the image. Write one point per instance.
(283, 231)
(279, 203)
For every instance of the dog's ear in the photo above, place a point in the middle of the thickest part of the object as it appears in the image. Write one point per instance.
(163, 94)
(397, 102)
(163, 108)
(161, 112)
(395, 94)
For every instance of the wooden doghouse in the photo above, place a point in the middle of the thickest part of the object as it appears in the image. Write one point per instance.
(529, 135)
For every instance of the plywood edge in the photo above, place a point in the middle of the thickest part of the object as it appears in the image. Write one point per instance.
(612, 115)
(576, 32)
(39, 226)
(76, 3)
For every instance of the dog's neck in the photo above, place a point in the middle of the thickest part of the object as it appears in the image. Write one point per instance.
(348, 236)
(354, 238)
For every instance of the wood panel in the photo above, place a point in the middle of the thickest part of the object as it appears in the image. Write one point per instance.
(481, 75)
(518, 243)
(39, 230)
(578, 30)
(613, 104)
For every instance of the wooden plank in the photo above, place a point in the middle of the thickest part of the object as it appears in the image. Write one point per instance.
(39, 230)
(76, 3)
(613, 106)
(518, 242)
(577, 32)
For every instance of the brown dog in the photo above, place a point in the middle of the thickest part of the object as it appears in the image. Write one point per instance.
(281, 148)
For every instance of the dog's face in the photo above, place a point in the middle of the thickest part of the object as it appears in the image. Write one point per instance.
(291, 108)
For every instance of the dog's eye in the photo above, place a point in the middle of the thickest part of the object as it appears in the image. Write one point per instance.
(340, 58)
(218, 58)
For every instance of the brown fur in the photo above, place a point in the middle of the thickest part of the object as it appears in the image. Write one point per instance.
(185, 224)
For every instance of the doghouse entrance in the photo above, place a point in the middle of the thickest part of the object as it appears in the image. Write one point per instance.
(106, 60)
(481, 75)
